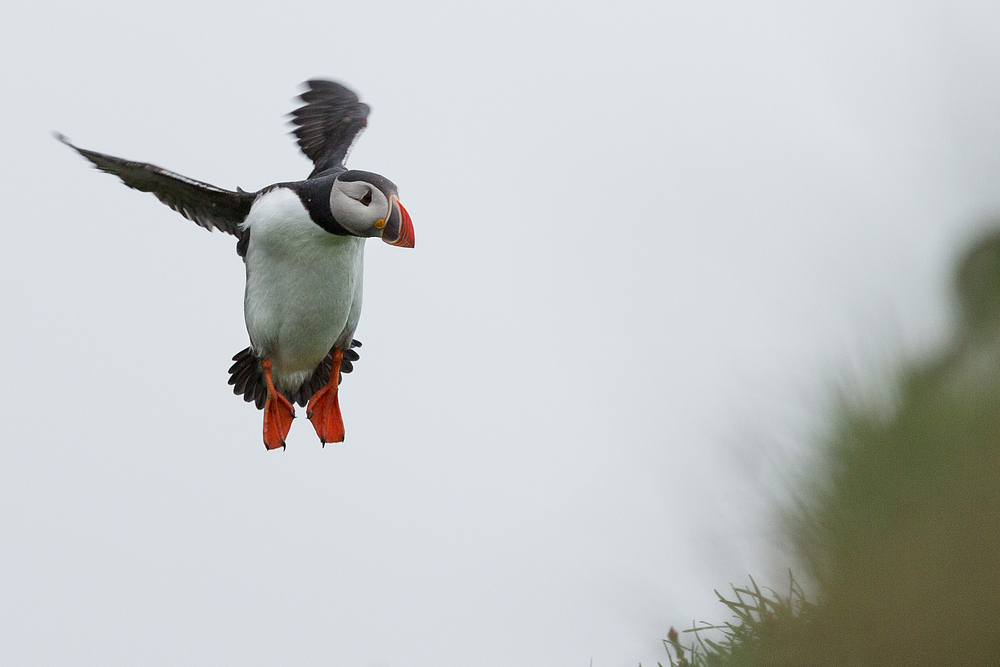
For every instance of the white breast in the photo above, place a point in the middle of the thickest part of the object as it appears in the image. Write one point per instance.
(303, 290)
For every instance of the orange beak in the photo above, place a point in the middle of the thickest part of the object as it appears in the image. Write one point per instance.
(398, 228)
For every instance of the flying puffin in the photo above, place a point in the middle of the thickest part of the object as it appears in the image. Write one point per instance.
(303, 246)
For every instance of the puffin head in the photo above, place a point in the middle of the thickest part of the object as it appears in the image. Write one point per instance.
(366, 204)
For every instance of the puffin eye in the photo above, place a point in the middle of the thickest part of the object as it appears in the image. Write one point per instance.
(367, 199)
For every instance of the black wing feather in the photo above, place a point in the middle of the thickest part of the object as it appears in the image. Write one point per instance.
(204, 204)
(328, 123)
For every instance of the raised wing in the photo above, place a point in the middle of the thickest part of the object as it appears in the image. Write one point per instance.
(328, 123)
(204, 204)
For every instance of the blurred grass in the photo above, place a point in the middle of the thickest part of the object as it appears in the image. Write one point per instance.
(897, 524)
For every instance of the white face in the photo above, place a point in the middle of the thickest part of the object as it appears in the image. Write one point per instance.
(360, 207)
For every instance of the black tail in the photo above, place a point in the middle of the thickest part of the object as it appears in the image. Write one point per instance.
(247, 377)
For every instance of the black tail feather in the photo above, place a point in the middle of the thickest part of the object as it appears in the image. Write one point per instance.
(247, 377)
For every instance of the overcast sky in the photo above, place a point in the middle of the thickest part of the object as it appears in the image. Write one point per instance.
(649, 235)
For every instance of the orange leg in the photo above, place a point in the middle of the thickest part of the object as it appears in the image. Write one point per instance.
(324, 407)
(278, 412)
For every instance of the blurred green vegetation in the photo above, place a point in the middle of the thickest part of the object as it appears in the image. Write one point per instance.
(897, 524)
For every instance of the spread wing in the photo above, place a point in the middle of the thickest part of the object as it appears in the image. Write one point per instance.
(204, 204)
(328, 123)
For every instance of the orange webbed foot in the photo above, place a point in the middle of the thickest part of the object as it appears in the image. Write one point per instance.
(278, 413)
(278, 416)
(324, 407)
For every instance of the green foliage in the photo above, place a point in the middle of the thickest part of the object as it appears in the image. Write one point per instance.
(898, 523)
(766, 629)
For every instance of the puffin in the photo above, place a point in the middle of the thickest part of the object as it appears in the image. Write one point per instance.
(302, 243)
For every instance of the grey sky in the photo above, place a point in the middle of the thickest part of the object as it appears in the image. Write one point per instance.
(648, 234)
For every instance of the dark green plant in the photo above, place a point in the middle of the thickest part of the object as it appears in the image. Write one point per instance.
(897, 523)
(766, 626)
